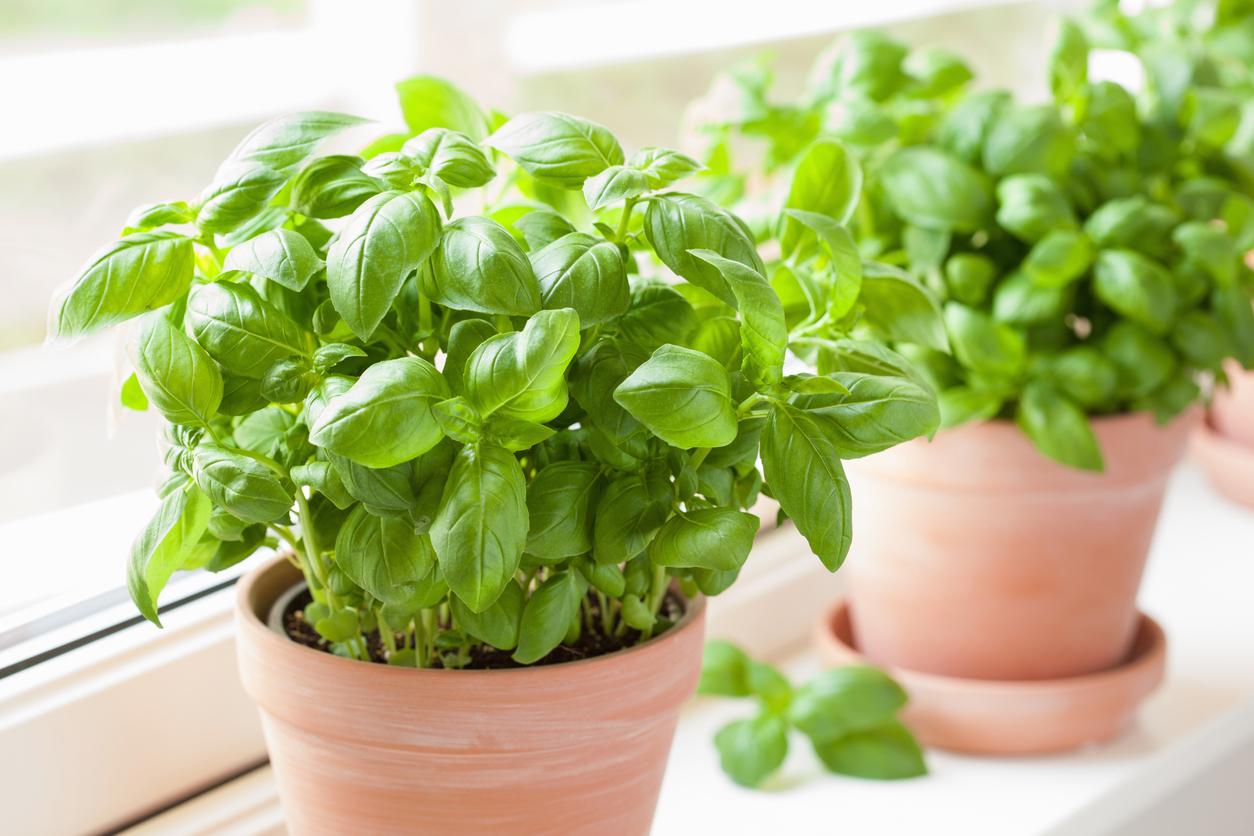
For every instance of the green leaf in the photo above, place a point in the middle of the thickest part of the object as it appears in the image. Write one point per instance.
(284, 142)
(844, 270)
(1030, 206)
(177, 375)
(559, 507)
(1110, 120)
(849, 699)
(968, 276)
(385, 556)
(614, 184)
(328, 356)
(962, 404)
(1068, 62)
(1020, 301)
(499, 624)
(522, 374)
(965, 127)
(1136, 287)
(1232, 309)
(801, 462)
(984, 345)
(279, 255)
(1143, 361)
(724, 670)
(1132, 223)
(141, 272)
(683, 397)
(245, 334)
(750, 750)
(663, 166)
(873, 413)
(1083, 374)
(240, 484)
(478, 266)
(629, 514)
(827, 180)
(334, 186)
(481, 528)
(604, 577)
(386, 491)
(162, 547)
(1058, 427)
(325, 479)
(153, 215)
(887, 752)
(386, 238)
(583, 272)
(596, 374)
(1027, 139)
(131, 395)
(763, 331)
(430, 102)
(1059, 258)
(547, 616)
(452, 156)
(676, 224)
(541, 227)
(900, 309)
(705, 538)
(658, 314)
(555, 147)
(265, 431)
(933, 189)
(385, 418)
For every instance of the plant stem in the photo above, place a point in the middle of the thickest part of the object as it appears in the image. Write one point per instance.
(624, 221)
(420, 642)
(313, 552)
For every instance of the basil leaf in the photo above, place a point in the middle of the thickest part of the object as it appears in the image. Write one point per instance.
(682, 396)
(162, 547)
(1068, 61)
(933, 189)
(1059, 258)
(663, 166)
(431, 102)
(614, 184)
(499, 624)
(1058, 427)
(874, 413)
(629, 514)
(838, 702)
(705, 538)
(141, 272)
(724, 670)
(763, 331)
(547, 617)
(1136, 287)
(963, 404)
(559, 507)
(542, 227)
(1030, 206)
(597, 373)
(583, 272)
(751, 750)
(243, 333)
(801, 462)
(901, 309)
(557, 148)
(984, 345)
(675, 224)
(240, 484)
(279, 255)
(827, 180)
(332, 187)
(385, 556)
(131, 395)
(1084, 375)
(1028, 139)
(284, 142)
(387, 491)
(464, 338)
(325, 479)
(968, 276)
(481, 528)
(886, 752)
(1023, 302)
(387, 238)
(478, 266)
(177, 375)
(658, 314)
(453, 157)
(1143, 361)
(385, 418)
(522, 374)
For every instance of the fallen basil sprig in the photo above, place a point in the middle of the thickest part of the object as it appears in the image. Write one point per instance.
(494, 383)
(849, 715)
(1087, 253)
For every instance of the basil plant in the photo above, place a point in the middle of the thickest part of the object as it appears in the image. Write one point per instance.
(1087, 257)
(492, 385)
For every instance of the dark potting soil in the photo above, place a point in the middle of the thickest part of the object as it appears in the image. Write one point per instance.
(485, 657)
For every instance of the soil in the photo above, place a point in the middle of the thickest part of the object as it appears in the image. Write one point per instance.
(485, 657)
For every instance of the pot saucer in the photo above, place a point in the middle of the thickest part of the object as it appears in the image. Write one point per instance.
(1228, 463)
(988, 717)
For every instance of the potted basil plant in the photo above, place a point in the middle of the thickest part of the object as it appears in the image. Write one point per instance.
(497, 393)
(1085, 293)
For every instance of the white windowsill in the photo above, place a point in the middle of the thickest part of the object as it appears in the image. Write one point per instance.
(1200, 720)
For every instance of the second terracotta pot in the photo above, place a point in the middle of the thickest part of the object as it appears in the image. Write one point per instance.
(1232, 413)
(574, 748)
(977, 557)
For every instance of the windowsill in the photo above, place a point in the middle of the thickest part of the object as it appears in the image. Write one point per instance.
(1201, 718)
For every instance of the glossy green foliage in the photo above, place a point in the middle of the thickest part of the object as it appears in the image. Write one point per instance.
(848, 714)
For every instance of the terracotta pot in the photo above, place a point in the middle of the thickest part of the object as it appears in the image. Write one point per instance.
(977, 557)
(1232, 413)
(1028, 717)
(575, 748)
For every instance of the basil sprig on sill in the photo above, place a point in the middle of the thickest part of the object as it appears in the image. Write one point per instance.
(1087, 253)
(494, 383)
(849, 715)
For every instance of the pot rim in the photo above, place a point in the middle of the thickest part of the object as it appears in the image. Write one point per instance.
(1146, 653)
(259, 631)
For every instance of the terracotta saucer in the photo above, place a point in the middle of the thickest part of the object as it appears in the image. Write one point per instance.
(1228, 463)
(987, 717)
